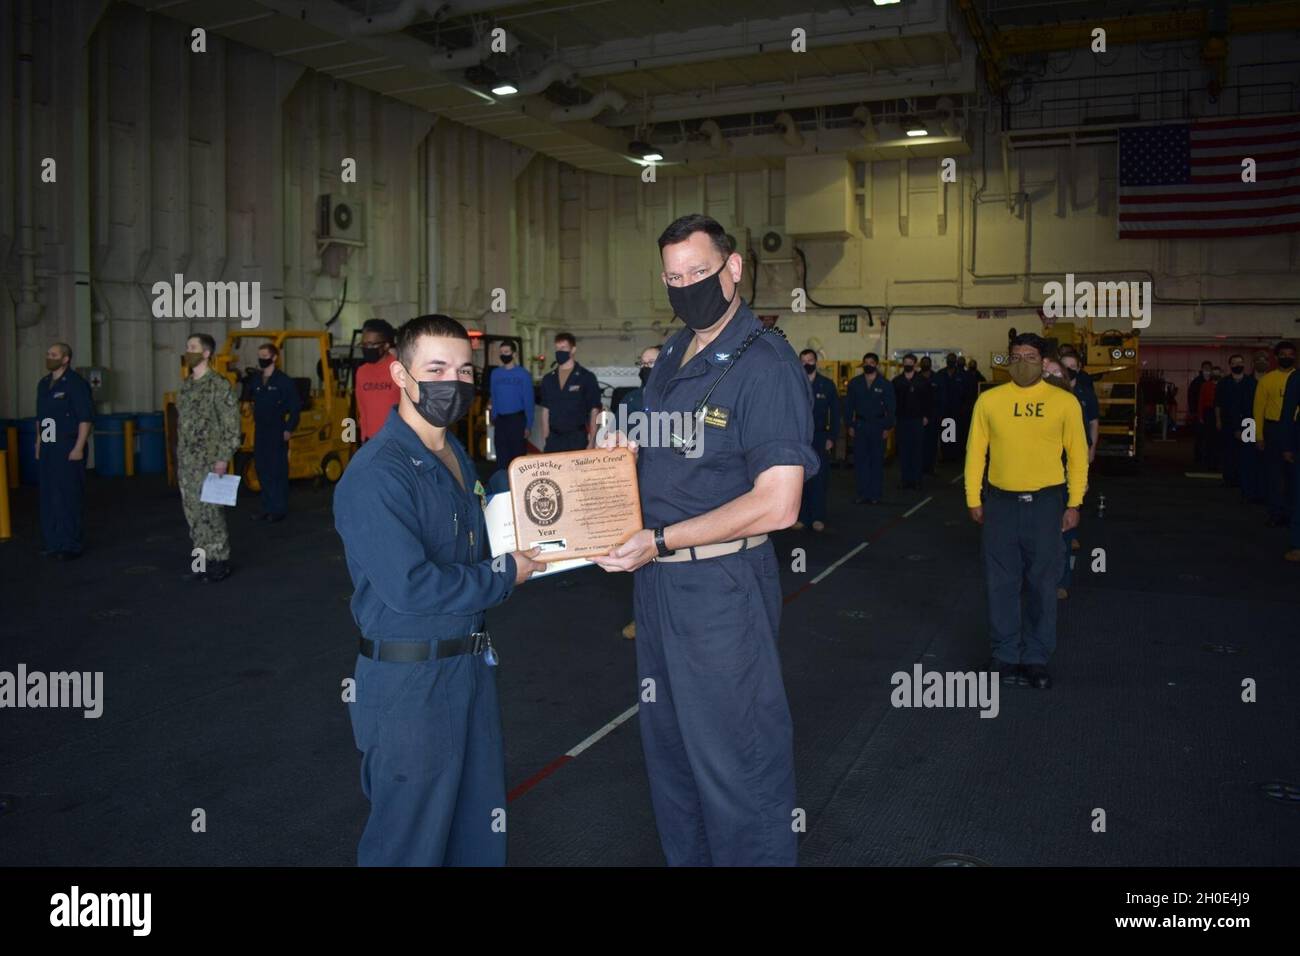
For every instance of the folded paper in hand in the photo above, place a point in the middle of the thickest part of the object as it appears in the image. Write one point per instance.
(219, 489)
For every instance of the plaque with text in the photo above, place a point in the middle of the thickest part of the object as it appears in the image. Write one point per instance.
(575, 504)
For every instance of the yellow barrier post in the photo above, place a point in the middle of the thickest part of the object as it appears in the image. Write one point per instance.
(128, 439)
(11, 433)
(5, 531)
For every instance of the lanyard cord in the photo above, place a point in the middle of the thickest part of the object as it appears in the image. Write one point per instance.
(703, 403)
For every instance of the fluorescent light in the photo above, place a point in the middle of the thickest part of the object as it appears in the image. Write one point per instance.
(653, 157)
(884, 3)
(917, 132)
(505, 89)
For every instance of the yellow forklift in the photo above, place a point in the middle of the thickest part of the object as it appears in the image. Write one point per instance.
(322, 444)
(1111, 358)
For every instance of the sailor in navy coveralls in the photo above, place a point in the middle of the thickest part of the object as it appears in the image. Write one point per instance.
(425, 717)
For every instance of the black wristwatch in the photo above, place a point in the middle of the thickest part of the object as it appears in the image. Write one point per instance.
(659, 543)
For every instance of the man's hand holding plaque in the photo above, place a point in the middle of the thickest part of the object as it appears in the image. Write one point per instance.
(575, 504)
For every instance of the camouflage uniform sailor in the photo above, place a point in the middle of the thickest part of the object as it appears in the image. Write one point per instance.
(207, 436)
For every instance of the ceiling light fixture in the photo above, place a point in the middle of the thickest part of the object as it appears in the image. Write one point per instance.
(644, 152)
(505, 89)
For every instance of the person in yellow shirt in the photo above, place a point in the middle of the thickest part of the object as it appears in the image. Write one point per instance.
(1269, 437)
(1020, 430)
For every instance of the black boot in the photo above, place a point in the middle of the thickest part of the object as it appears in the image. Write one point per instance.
(1037, 676)
(217, 571)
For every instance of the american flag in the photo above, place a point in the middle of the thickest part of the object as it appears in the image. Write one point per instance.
(1184, 180)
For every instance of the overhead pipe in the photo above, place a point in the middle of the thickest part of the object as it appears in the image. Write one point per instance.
(29, 308)
(604, 100)
(863, 116)
(713, 131)
(554, 72)
(397, 19)
(789, 129)
(467, 56)
(408, 11)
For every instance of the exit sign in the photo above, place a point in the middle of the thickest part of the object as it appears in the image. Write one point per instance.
(848, 323)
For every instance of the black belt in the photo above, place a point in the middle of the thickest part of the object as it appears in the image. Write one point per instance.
(410, 652)
(1026, 495)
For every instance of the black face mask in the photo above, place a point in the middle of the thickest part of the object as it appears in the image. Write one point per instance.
(562, 356)
(909, 369)
(869, 369)
(443, 403)
(372, 353)
(952, 363)
(1238, 369)
(644, 371)
(507, 359)
(265, 363)
(810, 369)
(1285, 361)
(700, 304)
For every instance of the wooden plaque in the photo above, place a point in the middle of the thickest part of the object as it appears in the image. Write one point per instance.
(575, 504)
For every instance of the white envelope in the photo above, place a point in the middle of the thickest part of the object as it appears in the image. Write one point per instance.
(219, 489)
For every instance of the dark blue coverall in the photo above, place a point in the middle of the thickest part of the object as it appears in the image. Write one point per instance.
(63, 482)
(1228, 400)
(826, 427)
(429, 731)
(930, 451)
(955, 400)
(568, 410)
(1289, 430)
(717, 737)
(1091, 412)
(276, 407)
(1252, 466)
(869, 410)
(913, 402)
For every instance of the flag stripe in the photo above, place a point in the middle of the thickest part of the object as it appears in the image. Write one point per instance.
(1202, 214)
(1139, 198)
(1185, 180)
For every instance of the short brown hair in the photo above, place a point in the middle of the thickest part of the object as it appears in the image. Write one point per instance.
(439, 326)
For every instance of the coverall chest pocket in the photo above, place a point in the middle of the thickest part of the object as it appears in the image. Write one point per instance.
(443, 529)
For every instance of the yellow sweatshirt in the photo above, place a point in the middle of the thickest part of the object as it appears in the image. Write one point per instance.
(1022, 432)
(1268, 399)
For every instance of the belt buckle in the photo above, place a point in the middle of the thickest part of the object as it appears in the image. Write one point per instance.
(476, 642)
(1025, 497)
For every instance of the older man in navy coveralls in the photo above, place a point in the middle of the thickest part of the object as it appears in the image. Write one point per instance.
(425, 717)
(715, 725)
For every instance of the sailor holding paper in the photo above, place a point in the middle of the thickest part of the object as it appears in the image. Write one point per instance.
(425, 715)
(717, 734)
